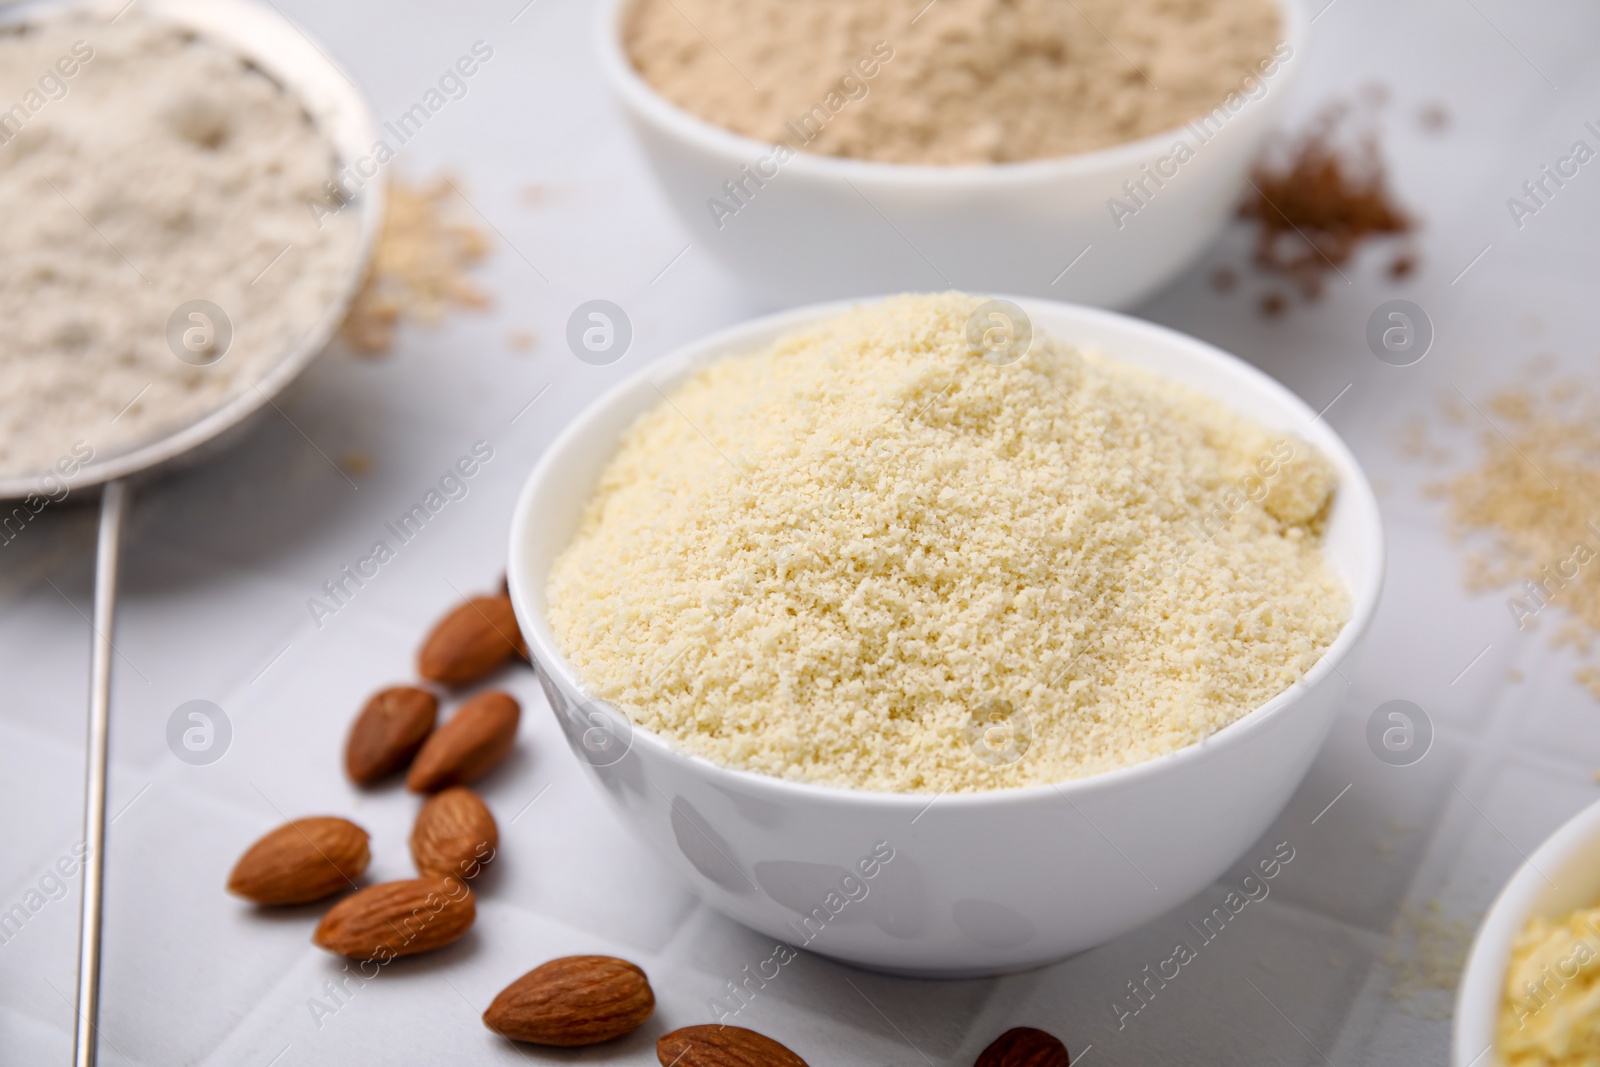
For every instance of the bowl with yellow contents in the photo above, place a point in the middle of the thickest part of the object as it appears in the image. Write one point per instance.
(943, 634)
(1529, 992)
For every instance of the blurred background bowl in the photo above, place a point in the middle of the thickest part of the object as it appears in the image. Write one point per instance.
(1562, 875)
(979, 883)
(827, 227)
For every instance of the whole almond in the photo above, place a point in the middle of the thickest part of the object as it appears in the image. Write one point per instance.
(388, 732)
(723, 1046)
(398, 919)
(575, 1000)
(471, 641)
(301, 860)
(1023, 1046)
(469, 744)
(454, 834)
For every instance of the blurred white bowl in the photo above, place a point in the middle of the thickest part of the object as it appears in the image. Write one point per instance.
(979, 883)
(825, 227)
(1563, 874)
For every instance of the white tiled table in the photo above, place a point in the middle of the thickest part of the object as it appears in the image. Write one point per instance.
(220, 564)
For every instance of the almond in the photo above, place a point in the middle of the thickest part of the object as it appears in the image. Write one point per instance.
(468, 746)
(723, 1046)
(301, 860)
(454, 834)
(575, 1000)
(398, 919)
(471, 641)
(388, 732)
(1023, 1046)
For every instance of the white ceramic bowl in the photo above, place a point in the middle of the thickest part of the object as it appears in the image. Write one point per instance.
(825, 228)
(1562, 874)
(979, 883)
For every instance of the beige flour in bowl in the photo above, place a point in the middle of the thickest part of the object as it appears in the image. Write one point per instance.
(142, 168)
(954, 81)
(865, 557)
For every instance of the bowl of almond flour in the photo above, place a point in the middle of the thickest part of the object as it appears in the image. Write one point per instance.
(176, 250)
(1057, 625)
(1075, 149)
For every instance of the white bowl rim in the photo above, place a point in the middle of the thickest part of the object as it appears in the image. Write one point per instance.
(1476, 1024)
(638, 94)
(1353, 485)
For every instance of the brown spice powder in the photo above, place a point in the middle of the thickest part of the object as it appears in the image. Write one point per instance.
(1433, 117)
(418, 268)
(1318, 206)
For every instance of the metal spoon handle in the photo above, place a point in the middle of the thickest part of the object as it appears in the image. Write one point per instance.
(112, 503)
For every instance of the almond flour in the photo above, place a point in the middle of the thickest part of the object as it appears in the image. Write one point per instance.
(418, 267)
(850, 557)
(1529, 507)
(954, 81)
(167, 170)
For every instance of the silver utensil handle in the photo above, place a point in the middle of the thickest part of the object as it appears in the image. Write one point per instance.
(84, 1045)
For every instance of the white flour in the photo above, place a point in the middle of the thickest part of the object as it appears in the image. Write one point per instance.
(162, 170)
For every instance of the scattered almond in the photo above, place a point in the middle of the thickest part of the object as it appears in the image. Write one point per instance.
(398, 919)
(303, 860)
(575, 1000)
(454, 834)
(388, 732)
(471, 641)
(469, 745)
(723, 1046)
(1023, 1046)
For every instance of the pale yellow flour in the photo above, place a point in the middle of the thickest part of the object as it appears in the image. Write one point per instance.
(1531, 505)
(953, 81)
(1550, 1015)
(866, 557)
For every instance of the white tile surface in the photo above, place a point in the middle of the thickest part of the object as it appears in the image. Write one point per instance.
(221, 561)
